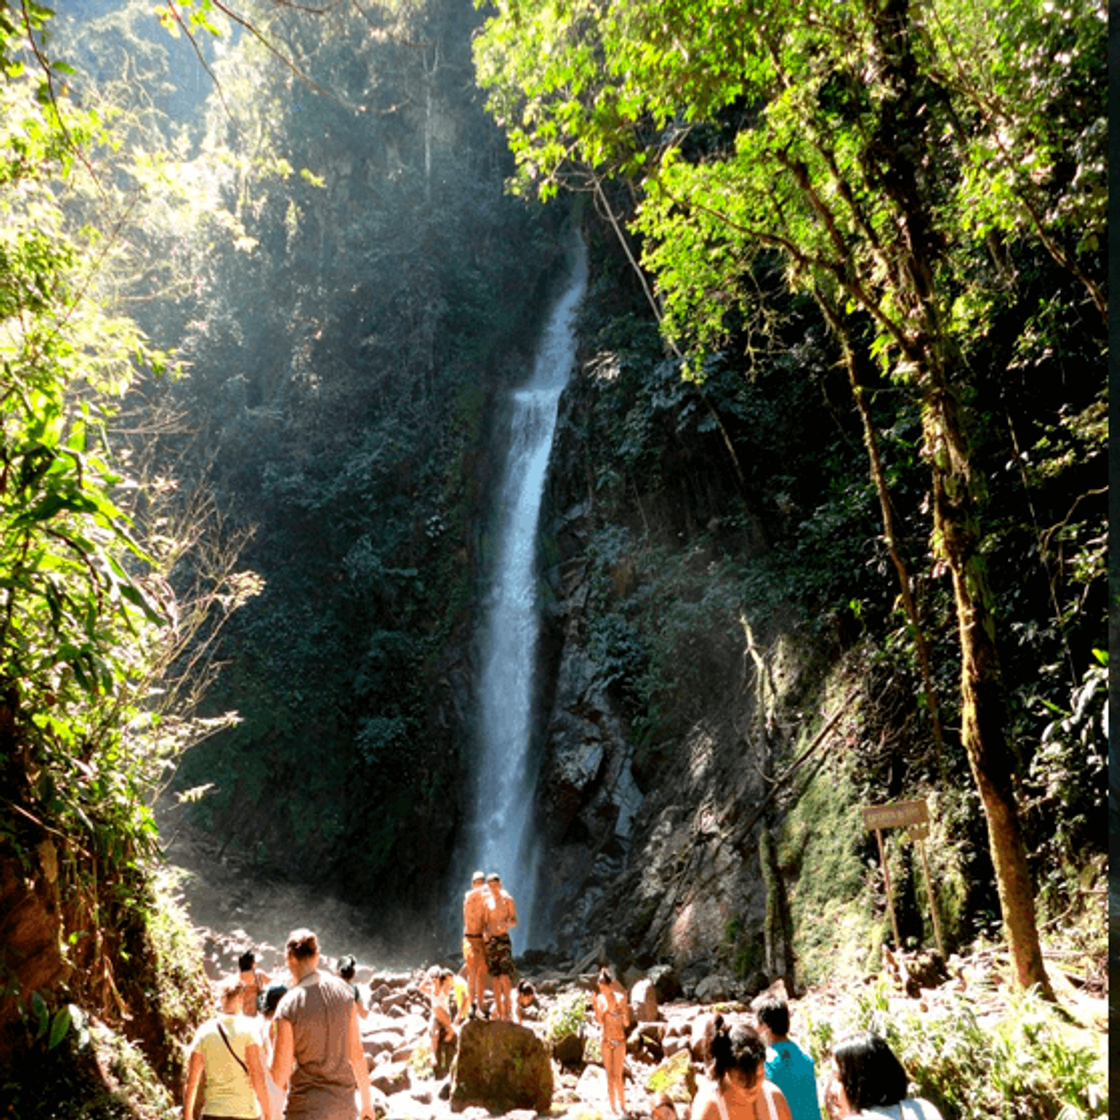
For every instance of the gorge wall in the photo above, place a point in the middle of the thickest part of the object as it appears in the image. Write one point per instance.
(650, 835)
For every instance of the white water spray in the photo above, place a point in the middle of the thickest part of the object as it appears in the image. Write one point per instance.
(502, 836)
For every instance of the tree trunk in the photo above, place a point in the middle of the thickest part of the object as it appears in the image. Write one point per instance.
(778, 930)
(893, 157)
(983, 714)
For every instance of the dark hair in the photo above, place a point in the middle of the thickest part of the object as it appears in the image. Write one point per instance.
(605, 976)
(773, 1013)
(273, 996)
(302, 944)
(493, 877)
(735, 1047)
(246, 961)
(526, 989)
(346, 967)
(869, 1071)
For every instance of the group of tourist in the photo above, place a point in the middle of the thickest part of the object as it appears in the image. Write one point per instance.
(489, 913)
(302, 1057)
(759, 1073)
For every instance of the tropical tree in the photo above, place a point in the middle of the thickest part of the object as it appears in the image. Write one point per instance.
(92, 713)
(896, 157)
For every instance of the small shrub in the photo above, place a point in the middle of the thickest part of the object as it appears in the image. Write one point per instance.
(567, 1017)
(421, 1062)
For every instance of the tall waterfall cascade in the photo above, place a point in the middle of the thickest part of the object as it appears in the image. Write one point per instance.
(502, 837)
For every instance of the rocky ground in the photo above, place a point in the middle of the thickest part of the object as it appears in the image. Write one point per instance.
(664, 1054)
(233, 913)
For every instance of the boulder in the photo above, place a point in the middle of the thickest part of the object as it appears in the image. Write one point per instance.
(404, 1052)
(411, 1025)
(379, 1101)
(501, 1067)
(675, 1077)
(406, 1106)
(666, 982)
(677, 1036)
(592, 1085)
(718, 988)
(645, 1040)
(697, 1038)
(381, 1042)
(568, 1049)
(643, 1002)
(390, 1077)
(391, 1000)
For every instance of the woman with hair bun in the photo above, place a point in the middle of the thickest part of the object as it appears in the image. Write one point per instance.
(738, 1089)
(869, 1083)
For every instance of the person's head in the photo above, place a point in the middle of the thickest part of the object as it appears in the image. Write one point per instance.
(347, 966)
(302, 952)
(736, 1052)
(494, 882)
(773, 1016)
(247, 960)
(273, 996)
(525, 993)
(868, 1071)
(229, 993)
(605, 979)
(477, 879)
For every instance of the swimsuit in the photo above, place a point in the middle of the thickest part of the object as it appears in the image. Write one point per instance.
(769, 1104)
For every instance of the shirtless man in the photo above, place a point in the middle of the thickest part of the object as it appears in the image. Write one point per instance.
(501, 917)
(474, 951)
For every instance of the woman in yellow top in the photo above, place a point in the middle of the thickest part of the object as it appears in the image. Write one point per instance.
(612, 1009)
(227, 1048)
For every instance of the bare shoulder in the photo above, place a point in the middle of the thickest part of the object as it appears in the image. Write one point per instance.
(778, 1098)
(704, 1104)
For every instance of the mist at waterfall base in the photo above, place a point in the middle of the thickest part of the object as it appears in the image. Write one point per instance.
(501, 837)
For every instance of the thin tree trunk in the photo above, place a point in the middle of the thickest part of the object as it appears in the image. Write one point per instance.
(983, 713)
(879, 478)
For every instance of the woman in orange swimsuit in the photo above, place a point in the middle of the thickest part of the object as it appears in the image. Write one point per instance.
(612, 1009)
(738, 1089)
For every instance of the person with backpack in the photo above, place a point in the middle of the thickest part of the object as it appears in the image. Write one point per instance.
(227, 1050)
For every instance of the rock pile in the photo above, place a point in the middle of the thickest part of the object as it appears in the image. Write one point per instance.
(551, 1065)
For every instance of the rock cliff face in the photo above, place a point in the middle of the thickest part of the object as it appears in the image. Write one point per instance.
(652, 854)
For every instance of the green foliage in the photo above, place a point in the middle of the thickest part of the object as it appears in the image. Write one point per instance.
(420, 1061)
(80, 625)
(1069, 773)
(822, 851)
(1025, 1060)
(94, 1072)
(919, 199)
(568, 1016)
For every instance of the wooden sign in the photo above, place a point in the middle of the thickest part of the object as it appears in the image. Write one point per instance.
(895, 815)
(914, 816)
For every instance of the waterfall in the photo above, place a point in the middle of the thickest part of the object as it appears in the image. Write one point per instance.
(502, 836)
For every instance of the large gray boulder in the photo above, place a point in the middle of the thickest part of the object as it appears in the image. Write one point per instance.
(501, 1067)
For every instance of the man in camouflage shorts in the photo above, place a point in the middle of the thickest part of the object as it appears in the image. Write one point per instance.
(501, 917)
